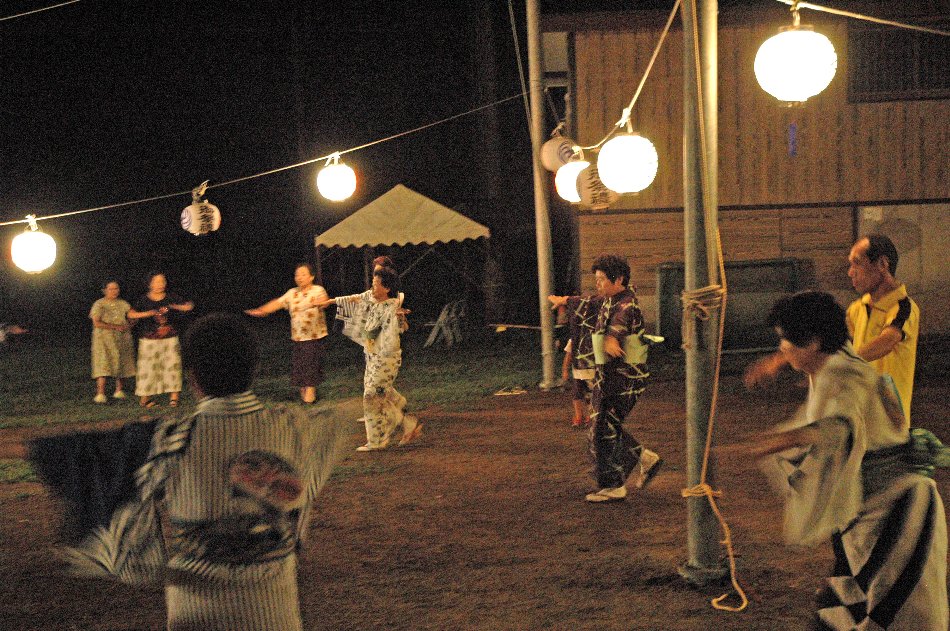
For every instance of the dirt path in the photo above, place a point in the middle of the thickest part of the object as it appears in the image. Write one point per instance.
(483, 526)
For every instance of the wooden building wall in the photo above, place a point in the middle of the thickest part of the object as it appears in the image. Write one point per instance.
(772, 204)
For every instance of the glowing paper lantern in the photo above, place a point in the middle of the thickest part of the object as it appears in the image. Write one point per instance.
(201, 218)
(593, 193)
(627, 163)
(336, 181)
(33, 251)
(796, 64)
(556, 152)
(565, 180)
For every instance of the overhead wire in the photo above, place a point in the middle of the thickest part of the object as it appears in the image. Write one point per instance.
(517, 43)
(25, 13)
(278, 169)
(795, 4)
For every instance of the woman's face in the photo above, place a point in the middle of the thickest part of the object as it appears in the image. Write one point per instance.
(158, 284)
(380, 292)
(111, 291)
(807, 359)
(303, 277)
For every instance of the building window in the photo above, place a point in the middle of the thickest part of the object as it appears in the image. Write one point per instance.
(894, 64)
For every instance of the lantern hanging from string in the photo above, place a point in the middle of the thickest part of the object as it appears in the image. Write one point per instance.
(200, 217)
(565, 180)
(796, 64)
(627, 163)
(336, 181)
(557, 151)
(33, 251)
(594, 194)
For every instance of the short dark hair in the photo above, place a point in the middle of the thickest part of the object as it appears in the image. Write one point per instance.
(613, 267)
(389, 280)
(220, 350)
(880, 245)
(384, 261)
(307, 265)
(810, 315)
(152, 274)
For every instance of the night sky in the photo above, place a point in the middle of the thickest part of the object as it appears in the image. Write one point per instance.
(105, 102)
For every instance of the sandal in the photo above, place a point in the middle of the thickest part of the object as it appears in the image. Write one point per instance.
(411, 435)
(173, 403)
(149, 404)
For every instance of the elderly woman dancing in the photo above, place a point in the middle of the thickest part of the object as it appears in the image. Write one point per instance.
(376, 326)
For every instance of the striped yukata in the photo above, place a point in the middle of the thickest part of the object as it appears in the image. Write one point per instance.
(237, 482)
(866, 485)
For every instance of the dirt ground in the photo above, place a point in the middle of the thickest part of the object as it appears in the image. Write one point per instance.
(482, 525)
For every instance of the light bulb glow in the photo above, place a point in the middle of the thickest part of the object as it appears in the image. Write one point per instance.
(565, 180)
(627, 163)
(796, 64)
(33, 251)
(336, 181)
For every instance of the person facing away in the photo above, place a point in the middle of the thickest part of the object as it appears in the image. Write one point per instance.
(851, 472)
(237, 482)
(883, 323)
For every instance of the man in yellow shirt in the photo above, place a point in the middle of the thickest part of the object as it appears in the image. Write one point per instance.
(884, 322)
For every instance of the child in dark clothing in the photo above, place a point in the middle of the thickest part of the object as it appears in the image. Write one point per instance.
(581, 317)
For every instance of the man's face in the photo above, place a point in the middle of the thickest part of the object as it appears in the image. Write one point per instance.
(865, 275)
(605, 286)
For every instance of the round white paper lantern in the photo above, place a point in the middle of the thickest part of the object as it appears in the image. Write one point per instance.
(556, 152)
(565, 180)
(796, 64)
(201, 218)
(33, 251)
(336, 181)
(594, 194)
(627, 163)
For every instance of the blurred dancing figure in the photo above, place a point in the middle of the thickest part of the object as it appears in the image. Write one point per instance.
(112, 352)
(308, 330)
(851, 472)
(158, 320)
(374, 323)
(237, 482)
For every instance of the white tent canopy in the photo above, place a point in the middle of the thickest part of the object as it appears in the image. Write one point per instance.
(401, 217)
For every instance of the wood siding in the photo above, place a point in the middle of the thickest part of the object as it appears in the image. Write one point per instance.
(846, 153)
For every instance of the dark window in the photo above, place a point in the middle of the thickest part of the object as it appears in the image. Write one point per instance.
(887, 63)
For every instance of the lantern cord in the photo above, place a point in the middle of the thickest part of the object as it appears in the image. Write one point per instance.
(867, 18)
(514, 38)
(25, 13)
(625, 120)
(272, 171)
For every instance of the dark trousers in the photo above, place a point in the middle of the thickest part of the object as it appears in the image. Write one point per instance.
(614, 451)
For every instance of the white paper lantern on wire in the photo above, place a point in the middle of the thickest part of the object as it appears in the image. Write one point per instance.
(796, 64)
(556, 152)
(594, 194)
(565, 180)
(33, 251)
(201, 217)
(336, 181)
(627, 163)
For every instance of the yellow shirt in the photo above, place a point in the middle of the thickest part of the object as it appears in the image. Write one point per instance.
(894, 309)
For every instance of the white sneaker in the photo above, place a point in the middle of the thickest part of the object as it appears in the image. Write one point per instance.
(650, 463)
(367, 447)
(100, 398)
(118, 394)
(607, 495)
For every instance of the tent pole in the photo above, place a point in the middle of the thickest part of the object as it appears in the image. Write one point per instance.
(367, 273)
(542, 219)
(318, 266)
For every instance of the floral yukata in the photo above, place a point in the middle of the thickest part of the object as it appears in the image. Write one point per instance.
(866, 484)
(308, 328)
(237, 481)
(112, 351)
(617, 385)
(376, 326)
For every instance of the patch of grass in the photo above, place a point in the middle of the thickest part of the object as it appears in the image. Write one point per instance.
(16, 471)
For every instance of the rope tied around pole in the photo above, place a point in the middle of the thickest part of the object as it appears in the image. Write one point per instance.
(699, 304)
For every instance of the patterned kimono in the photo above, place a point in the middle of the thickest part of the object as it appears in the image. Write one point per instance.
(237, 482)
(376, 326)
(866, 485)
(617, 384)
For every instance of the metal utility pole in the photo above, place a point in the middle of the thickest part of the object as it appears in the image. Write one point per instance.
(700, 153)
(542, 221)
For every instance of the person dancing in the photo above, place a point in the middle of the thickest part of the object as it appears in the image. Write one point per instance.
(112, 352)
(375, 325)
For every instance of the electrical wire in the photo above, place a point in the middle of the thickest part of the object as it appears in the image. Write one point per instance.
(277, 170)
(25, 13)
(514, 37)
(860, 16)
